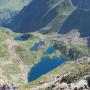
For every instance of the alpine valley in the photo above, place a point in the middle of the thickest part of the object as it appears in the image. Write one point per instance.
(44, 44)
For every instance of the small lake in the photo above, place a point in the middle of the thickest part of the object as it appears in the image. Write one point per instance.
(37, 46)
(44, 66)
(24, 37)
(50, 50)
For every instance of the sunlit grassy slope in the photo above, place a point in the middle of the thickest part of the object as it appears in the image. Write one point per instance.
(13, 4)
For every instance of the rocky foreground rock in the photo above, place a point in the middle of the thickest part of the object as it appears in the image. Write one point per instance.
(79, 80)
(59, 85)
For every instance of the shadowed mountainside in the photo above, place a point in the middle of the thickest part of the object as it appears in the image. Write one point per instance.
(82, 4)
(38, 14)
(79, 20)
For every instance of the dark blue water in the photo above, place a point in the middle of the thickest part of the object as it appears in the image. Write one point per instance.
(37, 45)
(50, 50)
(35, 48)
(22, 38)
(44, 66)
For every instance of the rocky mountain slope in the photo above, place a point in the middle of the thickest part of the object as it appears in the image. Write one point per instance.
(15, 60)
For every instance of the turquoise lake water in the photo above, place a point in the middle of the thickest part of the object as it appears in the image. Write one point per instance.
(44, 66)
(50, 50)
